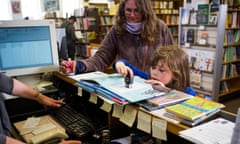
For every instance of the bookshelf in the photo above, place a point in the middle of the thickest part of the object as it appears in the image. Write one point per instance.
(204, 44)
(230, 79)
(88, 25)
(168, 11)
(106, 22)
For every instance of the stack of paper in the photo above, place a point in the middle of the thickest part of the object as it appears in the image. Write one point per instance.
(217, 131)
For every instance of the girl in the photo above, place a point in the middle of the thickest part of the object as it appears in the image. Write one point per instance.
(169, 67)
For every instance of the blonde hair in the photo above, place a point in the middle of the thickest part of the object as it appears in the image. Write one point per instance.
(149, 21)
(177, 61)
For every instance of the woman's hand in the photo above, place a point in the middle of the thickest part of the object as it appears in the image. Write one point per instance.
(123, 69)
(67, 67)
(47, 101)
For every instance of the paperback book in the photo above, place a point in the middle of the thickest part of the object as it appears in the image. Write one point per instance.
(190, 122)
(170, 98)
(194, 108)
(203, 14)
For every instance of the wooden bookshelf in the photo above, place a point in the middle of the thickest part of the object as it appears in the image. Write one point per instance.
(168, 11)
(230, 78)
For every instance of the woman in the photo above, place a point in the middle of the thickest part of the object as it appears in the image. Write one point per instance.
(134, 37)
(15, 87)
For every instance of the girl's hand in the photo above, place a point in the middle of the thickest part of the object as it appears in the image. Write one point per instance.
(157, 85)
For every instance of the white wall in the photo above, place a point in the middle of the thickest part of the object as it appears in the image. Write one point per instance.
(34, 9)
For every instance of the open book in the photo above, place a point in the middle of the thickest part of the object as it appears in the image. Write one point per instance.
(113, 87)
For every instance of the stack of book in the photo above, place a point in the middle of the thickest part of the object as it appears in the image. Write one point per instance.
(193, 111)
(167, 99)
(112, 86)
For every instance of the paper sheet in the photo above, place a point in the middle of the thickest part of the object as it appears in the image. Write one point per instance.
(31, 122)
(93, 98)
(107, 107)
(159, 128)
(217, 131)
(144, 122)
(129, 115)
(117, 110)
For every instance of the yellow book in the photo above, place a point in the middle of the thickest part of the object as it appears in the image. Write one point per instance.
(194, 108)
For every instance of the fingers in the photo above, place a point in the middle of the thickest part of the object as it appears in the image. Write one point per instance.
(47, 101)
(123, 69)
(160, 87)
(152, 81)
(67, 66)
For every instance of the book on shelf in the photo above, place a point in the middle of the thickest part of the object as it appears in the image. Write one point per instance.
(193, 17)
(216, 131)
(169, 98)
(185, 16)
(203, 37)
(191, 36)
(213, 11)
(194, 108)
(200, 59)
(112, 86)
(195, 78)
(203, 14)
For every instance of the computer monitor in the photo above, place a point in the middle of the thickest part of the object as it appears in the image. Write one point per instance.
(28, 47)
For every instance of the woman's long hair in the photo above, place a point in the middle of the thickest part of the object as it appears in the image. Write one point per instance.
(149, 21)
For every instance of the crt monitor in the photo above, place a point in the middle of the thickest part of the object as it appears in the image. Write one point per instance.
(28, 47)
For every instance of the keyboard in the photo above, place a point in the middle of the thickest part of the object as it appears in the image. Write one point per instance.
(75, 123)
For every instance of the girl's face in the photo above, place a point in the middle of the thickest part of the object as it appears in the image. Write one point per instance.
(132, 14)
(162, 73)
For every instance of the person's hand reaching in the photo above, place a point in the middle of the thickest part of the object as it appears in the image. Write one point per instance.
(123, 69)
(157, 85)
(68, 67)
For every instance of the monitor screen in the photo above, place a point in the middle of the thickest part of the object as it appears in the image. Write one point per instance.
(28, 47)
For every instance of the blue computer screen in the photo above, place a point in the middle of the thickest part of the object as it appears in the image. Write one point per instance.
(22, 47)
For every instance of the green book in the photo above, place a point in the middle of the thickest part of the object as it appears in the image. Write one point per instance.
(203, 14)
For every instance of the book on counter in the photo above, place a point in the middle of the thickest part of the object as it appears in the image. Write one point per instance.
(194, 108)
(167, 99)
(192, 123)
(112, 86)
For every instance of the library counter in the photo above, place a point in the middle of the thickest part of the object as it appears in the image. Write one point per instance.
(172, 127)
(66, 88)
